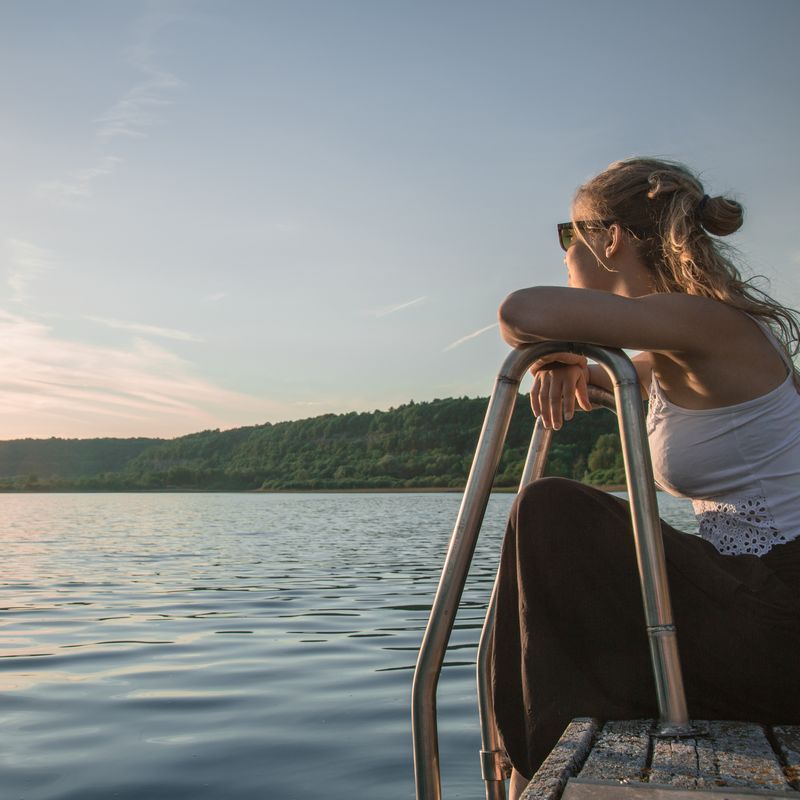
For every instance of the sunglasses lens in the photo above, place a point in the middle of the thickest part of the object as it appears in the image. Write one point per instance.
(566, 237)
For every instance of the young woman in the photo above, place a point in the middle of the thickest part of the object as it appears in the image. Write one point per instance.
(645, 272)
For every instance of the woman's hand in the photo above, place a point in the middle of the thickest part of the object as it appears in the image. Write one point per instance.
(559, 379)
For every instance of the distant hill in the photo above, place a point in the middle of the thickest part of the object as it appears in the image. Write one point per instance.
(68, 458)
(417, 445)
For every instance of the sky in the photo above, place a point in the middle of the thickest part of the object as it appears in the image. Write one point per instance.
(216, 214)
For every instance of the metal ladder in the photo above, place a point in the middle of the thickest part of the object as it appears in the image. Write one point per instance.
(626, 400)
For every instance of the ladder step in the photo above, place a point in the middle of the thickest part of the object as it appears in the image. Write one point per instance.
(740, 760)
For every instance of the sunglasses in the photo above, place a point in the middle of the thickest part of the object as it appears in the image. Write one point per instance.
(567, 235)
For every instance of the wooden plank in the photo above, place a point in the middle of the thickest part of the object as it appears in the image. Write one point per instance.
(744, 756)
(788, 739)
(733, 754)
(564, 761)
(621, 752)
(735, 758)
(578, 789)
(707, 769)
(685, 763)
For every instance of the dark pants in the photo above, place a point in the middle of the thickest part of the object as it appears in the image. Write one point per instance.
(570, 638)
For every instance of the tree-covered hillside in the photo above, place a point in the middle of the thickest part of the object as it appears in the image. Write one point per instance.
(68, 458)
(414, 446)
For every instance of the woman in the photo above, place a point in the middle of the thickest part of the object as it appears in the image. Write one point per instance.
(645, 273)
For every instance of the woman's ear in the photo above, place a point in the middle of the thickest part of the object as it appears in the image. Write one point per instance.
(613, 241)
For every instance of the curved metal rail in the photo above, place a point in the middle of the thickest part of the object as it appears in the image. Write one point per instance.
(649, 554)
(495, 766)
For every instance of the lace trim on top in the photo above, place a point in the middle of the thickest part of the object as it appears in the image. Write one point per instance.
(654, 404)
(742, 527)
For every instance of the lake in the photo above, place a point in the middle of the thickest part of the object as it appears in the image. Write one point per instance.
(232, 646)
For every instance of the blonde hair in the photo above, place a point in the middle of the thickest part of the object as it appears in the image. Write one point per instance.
(663, 206)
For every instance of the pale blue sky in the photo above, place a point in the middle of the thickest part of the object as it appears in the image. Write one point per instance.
(225, 213)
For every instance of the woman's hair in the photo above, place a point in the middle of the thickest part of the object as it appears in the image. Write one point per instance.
(673, 222)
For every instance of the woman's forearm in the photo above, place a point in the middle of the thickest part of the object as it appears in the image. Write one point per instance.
(599, 377)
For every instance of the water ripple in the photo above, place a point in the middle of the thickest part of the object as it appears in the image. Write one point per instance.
(229, 646)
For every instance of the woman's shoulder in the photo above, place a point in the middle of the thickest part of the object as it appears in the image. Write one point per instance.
(692, 305)
(735, 360)
(711, 328)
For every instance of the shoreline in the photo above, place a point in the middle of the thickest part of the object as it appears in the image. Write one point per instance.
(422, 490)
(419, 490)
(366, 490)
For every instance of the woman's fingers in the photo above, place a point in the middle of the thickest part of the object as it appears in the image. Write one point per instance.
(540, 396)
(555, 391)
(556, 405)
(582, 392)
(569, 405)
(547, 397)
(536, 406)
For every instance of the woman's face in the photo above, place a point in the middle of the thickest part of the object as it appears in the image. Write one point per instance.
(584, 269)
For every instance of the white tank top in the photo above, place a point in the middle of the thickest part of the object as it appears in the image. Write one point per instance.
(740, 464)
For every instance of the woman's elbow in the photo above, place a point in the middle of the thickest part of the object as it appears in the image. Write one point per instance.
(516, 316)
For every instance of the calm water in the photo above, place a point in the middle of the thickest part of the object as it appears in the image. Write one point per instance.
(231, 646)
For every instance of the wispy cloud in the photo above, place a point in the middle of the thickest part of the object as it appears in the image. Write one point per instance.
(386, 310)
(138, 110)
(479, 332)
(78, 184)
(131, 117)
(27, 262)
(146, 330)
(215, 297)
(53, 387)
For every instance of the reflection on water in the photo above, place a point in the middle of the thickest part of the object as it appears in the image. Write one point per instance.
(213, 646)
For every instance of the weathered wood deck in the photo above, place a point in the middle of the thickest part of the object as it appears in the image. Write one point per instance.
(623, 760)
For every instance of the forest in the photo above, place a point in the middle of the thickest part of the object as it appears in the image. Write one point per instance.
(426, 445)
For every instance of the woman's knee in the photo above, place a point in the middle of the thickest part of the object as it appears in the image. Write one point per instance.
(549, 507)
(539, 508)
(547, 496)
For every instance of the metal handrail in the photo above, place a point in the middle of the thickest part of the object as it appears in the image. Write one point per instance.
(495, 766)
(649, 553)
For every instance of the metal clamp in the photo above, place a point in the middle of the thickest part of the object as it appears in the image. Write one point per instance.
(495, 765)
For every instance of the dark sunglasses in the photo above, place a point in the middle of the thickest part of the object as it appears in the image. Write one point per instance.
(567, 235)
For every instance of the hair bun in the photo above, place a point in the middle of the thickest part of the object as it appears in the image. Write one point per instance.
(719, 215)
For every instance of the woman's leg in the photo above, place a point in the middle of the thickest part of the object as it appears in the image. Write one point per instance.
(570, 636)
(517, 785)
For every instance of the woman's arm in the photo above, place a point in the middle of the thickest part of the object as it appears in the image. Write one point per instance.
(670, 322)
(699, 347)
